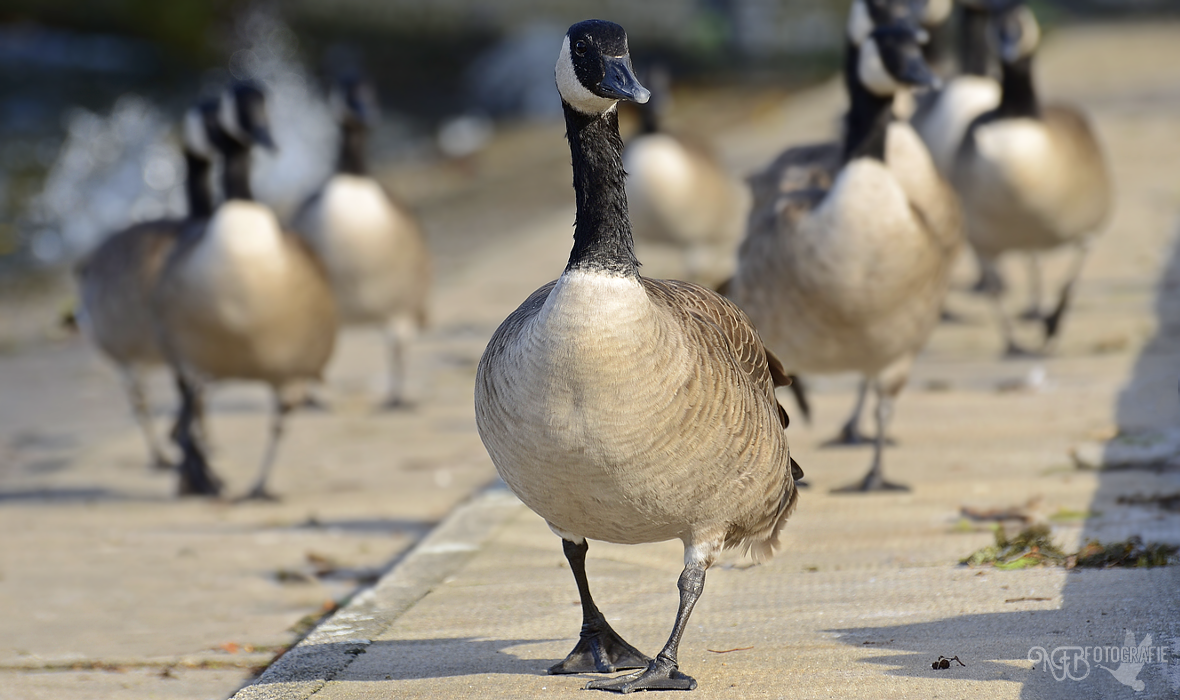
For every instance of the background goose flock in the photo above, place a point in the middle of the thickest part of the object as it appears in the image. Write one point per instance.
(618, 407)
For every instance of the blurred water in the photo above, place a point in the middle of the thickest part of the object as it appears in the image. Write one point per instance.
(124, 167)
(301, 120)
(112, 170)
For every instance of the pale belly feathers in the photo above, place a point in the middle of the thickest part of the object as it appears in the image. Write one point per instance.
(248, 303)
(855, 285)
(1023, 190)
(373, 252)
(583, 413)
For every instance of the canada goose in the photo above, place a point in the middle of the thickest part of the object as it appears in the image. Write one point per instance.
(847, 273)
(627, 409)
(680, 195)
(1031, 178)
(943, 115)
(242, 299)
(116, 280)
(369, 244)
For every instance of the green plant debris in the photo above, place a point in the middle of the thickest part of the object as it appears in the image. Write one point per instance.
(1131, 553)
(1065, 515)
(1034, 546)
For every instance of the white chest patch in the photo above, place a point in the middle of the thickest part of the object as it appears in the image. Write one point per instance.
(961, 101)
(242, 235)
(355, 207)
(1018, 150)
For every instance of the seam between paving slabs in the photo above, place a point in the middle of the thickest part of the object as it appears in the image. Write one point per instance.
(334, 645)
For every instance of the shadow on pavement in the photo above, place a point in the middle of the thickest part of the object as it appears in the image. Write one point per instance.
(78, 494)
(407, 660)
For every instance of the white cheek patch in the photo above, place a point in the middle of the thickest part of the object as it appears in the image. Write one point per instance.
(936, 12)
(872, 72)
(196, 139)
(860, 25)
(1030, 32)
(572, 91)
(227, 117)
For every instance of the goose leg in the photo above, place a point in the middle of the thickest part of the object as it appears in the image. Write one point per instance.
(396, 333)
(599, 649)
(196, 398)
(850, 434)
(281, 408)
(799, 391)
(1011, 348)
(663, 672)
(196, 479)
(990, 281)
(134, 386)
(1035, 289)
(875, 479)
(1053, 320)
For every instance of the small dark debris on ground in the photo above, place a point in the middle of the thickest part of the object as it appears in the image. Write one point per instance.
(1167, 502)
(1034, 546)
(944, 662)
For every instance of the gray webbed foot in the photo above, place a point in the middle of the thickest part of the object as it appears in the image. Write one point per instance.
(661, 674)
(600, 650)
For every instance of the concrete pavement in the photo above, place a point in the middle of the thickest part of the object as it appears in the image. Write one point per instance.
(109, 588)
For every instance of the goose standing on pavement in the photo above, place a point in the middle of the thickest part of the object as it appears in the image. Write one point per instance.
(680, 195)
(1031, 178)
(115, 282)
(242, 299)
(850, 276)
(628, 409)
(370, 244)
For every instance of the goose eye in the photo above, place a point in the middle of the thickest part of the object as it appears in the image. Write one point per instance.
(580, 48)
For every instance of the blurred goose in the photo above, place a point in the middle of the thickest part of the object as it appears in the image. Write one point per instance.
(944, 115)
(369, 244)
(628, 409)
(116, 280)
(242, 299)
(1031, 178)
(847, 273)
(680, 195)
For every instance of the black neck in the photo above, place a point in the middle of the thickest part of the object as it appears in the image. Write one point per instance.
(352, 150)
(974, 54)
(649, 119)
(602, 230)
(938, 49)
(197, 187)
(851, 65)
(236, 170)
(867, 122)
(1018, 97)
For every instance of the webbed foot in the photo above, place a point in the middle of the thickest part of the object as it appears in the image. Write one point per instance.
(871, 482)
(600, 650)
(661, 674)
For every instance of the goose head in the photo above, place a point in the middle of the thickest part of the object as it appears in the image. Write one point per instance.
(242, 115)
(891, 59)
(199, 120)
(594, 68)
(1017, 33)
(354, 102)
(866, 15)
